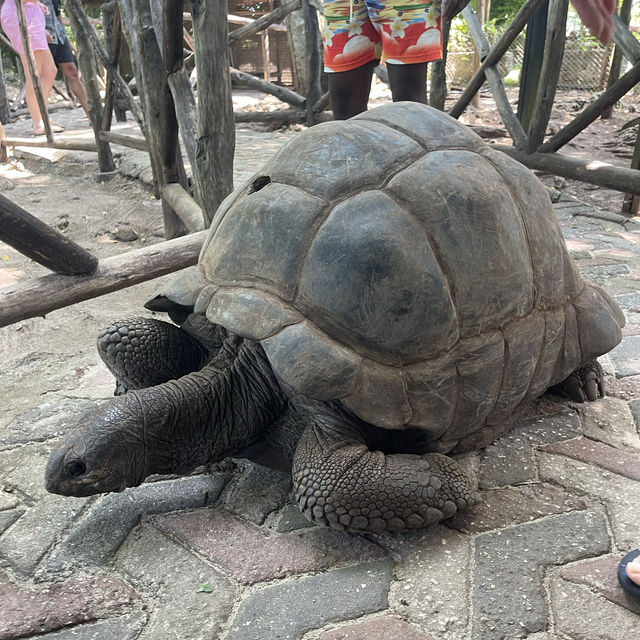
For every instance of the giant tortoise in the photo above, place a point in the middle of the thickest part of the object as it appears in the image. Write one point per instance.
(386, 290)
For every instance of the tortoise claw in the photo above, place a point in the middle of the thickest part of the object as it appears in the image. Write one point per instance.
(585, 383)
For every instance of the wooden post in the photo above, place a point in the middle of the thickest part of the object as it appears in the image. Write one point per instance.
(32, 71)
(314, 58)
(162, 125)
(631, 202)
(213, 170)
(266, 58)
(616, 62)
(42, 243)
(113, 40)
(593, 111)
(438, 84)
(89, 71)
(549, 72)
(506, 39)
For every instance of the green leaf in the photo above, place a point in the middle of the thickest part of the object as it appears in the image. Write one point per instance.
(204, 588)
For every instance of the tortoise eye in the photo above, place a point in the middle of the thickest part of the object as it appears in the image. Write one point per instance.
(75, 468)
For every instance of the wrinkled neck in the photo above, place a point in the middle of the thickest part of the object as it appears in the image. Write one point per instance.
(209, 414)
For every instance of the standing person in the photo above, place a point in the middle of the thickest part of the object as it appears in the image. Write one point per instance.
(34, 13)
(62, 54)
(407, 33)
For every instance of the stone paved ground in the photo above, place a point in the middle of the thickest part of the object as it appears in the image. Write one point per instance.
(226, 554)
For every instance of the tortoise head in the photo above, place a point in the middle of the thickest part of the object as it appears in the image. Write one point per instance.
(100, 457)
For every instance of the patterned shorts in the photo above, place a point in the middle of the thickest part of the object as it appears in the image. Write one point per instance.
(399, 31)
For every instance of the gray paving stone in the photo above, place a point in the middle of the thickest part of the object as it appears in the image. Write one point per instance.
(601, 273)
(257, 492)
(508, 595)
(626, 357)
(174, 579)
(8, 498)
(581, 615)
(287, 610)
(510, 460)
(620, 495)
(7, 518)
(122, 628)
(95, 539)
(46, 420)
(610, 420)
(431, 579)
(26, 542)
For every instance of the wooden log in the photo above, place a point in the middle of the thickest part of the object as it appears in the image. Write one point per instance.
(32, 70)
(261, 23)
(593, 111)
(549, 73)
(42, 295)
(213, 171)
(624, 13)
(184, 205)
(5, 116)
(42, 243)
(124, 140)
(594, 172)
(631, 201)
(506, 39)
(282, 93)
(186, 111)
(3, 149)
(43, 143)
(113, 41)
(284, 116)
(89, 70)
(495, 81)
(323, 102)
(625, 40)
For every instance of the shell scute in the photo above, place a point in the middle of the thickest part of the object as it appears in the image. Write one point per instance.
(392, 279)
(477, 234)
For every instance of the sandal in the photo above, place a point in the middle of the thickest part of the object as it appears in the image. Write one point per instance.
(625, 581)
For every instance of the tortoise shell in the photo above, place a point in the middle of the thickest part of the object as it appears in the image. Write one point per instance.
(396, 263)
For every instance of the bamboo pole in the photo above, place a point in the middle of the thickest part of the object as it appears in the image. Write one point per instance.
(42, 243)
(594, 172)
(495, 81)
(32, 70)
(549, 72)
(511, 33)
(42, 295)
(588, 115)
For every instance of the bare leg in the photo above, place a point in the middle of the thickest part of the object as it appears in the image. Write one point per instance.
(71, 72)
(46, 70)
(408, 82)
(350, 90)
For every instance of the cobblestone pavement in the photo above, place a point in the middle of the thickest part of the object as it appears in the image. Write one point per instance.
(225, 554)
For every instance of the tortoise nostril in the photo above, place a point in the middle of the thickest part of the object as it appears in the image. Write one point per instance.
(75, 468)
(260, 183)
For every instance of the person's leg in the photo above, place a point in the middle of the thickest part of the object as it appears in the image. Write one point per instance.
(408, 82)
(30, 97)
(47, 70)
(75, 84)
(349, 90)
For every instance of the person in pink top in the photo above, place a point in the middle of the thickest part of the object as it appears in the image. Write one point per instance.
(34, 13)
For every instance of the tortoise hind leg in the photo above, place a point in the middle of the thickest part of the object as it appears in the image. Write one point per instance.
(585, 383)
(341, 483)
(144, 352)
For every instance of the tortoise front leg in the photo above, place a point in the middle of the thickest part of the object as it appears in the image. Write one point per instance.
(341, 483)
(145, 352)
